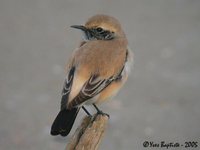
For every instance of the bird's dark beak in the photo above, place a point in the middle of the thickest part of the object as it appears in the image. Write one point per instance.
(81, 27)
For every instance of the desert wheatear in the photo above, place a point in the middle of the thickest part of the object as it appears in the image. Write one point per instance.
(97, 70)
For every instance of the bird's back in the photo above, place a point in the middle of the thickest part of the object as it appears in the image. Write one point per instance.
(92, 57)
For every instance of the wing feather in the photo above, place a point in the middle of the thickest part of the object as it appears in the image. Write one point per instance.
(67, 88)
(92, 88)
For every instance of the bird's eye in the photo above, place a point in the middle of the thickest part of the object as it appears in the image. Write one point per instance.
(99, 29)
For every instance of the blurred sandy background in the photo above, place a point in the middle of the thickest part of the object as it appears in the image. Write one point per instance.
(160, 101)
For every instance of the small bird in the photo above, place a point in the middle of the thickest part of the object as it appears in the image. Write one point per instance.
(98, 68)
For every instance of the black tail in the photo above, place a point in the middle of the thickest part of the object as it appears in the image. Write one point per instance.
(64, 122)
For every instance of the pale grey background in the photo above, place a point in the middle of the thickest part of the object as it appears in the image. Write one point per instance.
(160, 101)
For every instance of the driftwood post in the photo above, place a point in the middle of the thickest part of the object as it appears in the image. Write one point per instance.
(89, 134)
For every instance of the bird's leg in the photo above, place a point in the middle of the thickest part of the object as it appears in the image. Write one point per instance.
(100, 111)
(87, 112)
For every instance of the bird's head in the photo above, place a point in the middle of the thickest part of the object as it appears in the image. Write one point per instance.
(101, 27)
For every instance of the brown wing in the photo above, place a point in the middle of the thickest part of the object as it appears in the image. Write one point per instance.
(89, 90)
(92, 87)
(67, 88)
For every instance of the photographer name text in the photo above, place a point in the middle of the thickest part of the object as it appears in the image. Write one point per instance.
(168, 145)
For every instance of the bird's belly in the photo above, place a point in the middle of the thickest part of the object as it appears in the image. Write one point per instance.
(110, 91)
(92, 100)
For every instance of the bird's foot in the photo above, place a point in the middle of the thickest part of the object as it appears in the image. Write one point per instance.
(100, 112)
(103, 113)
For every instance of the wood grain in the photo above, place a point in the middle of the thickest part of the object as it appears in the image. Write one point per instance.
(89, 134)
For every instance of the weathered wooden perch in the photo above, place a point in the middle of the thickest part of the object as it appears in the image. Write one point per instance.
(89, 134)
